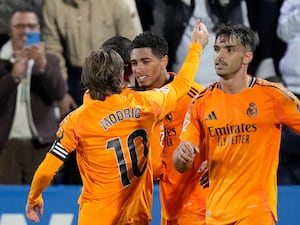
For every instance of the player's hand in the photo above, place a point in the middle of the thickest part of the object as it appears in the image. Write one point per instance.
(184, 155)
(34, 211)
(203, 170)
(187, 151)
(200, 34)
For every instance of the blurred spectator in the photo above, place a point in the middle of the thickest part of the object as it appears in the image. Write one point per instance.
(203, 9)
(289, 155)
(6, 8)
(158, 15)
(289, 166)
(179, 13)
(84, 28)
(30, 83)
(289, 31)
(73, 28)
(225, 11)
(145, 9)
(270, 48)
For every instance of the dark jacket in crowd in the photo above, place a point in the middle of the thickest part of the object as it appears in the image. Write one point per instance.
(46, 88)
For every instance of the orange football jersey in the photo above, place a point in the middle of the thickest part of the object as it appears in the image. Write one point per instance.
(176, 189)
(156, 145)
(241, 135)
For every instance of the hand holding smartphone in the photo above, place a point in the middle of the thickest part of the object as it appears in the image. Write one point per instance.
(32, 38)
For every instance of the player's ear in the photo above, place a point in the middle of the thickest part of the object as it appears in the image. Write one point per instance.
(247, 58)
(164, 62)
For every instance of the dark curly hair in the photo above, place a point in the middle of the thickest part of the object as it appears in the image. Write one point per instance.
(157, 43)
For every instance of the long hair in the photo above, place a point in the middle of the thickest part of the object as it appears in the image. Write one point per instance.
(102, 73)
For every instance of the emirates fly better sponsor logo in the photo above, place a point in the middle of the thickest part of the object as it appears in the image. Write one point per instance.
(232, 134)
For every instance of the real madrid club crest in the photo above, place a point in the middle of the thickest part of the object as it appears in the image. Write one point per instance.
(252, 110)
(168, 117)
(60, 133)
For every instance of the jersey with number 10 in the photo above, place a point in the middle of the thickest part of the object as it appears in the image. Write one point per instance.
(111, 139)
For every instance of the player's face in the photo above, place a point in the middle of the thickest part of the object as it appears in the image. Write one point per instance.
(148, 69)
(229, 56)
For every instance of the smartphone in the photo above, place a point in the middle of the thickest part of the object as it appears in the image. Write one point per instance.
(33, 38)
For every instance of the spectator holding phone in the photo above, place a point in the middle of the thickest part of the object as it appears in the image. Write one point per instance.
(30, 83)
(6, 8)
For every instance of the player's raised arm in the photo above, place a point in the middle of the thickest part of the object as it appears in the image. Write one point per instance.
(187, 73)
(183, 81)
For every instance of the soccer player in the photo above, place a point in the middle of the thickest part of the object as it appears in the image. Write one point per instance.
(149, 60)
(110, 133)
(237, 123)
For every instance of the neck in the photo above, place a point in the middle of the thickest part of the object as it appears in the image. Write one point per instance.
(235, 84)
(164, 77)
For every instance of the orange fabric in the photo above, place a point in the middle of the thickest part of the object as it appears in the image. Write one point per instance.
(156, 145)
(181, 195)
(42, 177)
(257, 219)
(139, 211)
(192, 216)
(157, 142)
(241, 134)
(111, 139)
(113, 161)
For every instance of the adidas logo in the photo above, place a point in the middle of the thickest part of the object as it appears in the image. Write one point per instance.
(211, 116)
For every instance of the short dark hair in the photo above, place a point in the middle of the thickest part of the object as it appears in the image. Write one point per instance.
(23, 9)
(147, 39)
(243, 33)
(101, 73)
(122, 46)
